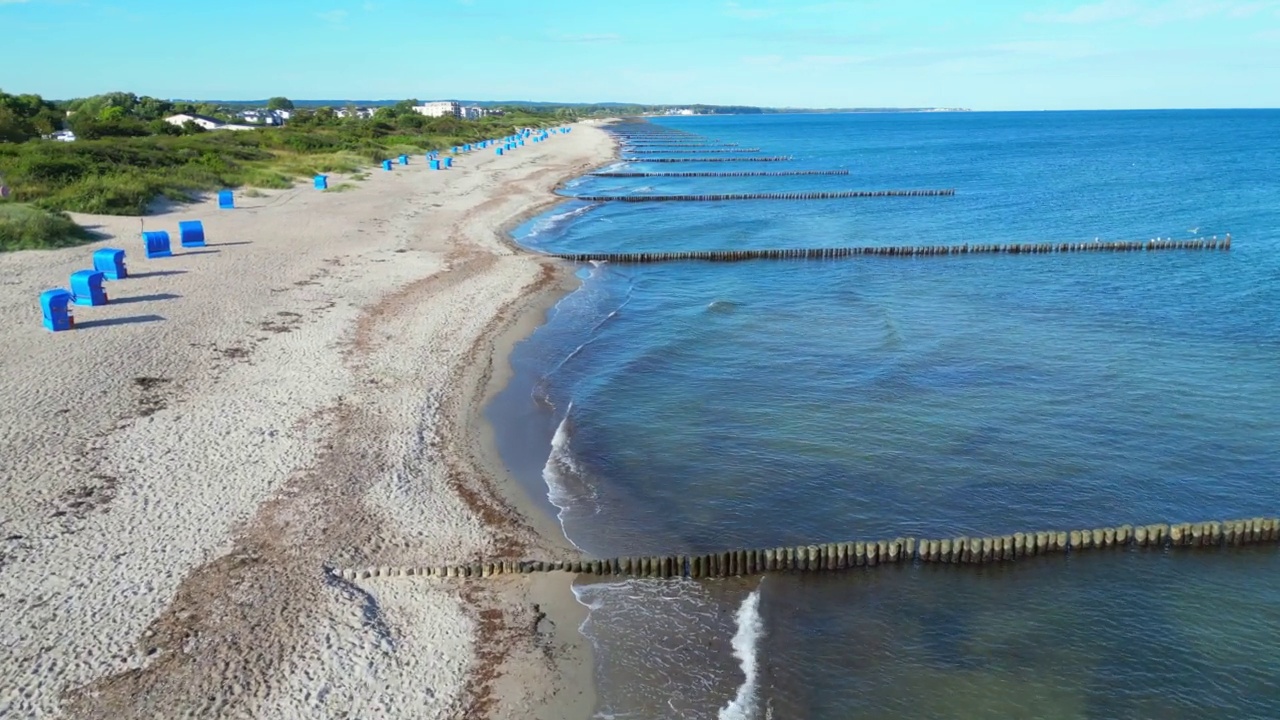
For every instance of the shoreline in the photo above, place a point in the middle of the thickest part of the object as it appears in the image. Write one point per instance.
(298, 394)
(551, 593)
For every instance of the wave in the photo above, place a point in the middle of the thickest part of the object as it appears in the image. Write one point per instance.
(592, 334)
(565, 477)
(746, 648)
(560, 463)
(722, 306)
(557, 221)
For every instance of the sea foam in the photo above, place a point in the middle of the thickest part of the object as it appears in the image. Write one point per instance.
(746, 648)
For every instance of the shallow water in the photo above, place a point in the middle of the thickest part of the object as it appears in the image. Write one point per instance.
(705, 406)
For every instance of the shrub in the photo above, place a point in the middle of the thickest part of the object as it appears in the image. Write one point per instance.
(23, 227)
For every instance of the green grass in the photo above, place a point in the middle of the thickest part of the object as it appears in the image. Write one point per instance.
(24, 227)
(124, 175)
(342, 187)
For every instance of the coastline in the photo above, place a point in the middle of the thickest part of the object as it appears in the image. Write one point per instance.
(302, 393)
(559, 615)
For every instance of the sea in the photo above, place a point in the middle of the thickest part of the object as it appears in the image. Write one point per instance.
(691, 407)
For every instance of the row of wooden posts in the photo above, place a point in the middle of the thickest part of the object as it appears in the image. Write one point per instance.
(712, 173)
(695, 150)
(676, 143)
(778, 158)
(845, 555)
(908, 251)
(815, 195)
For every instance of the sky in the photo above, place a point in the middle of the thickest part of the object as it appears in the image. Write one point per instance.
(981, 54)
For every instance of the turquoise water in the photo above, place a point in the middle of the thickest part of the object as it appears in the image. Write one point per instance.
(690, 407)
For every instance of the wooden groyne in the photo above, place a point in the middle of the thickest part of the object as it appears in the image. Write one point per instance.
(678, 144)
(712, 173)
(895, 251)
(832, 557)
(828, 195)
(780, 158)
(697, 150)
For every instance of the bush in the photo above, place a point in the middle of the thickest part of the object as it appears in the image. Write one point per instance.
(23, 227)
(121, 174)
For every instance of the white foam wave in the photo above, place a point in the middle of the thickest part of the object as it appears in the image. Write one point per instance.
(560, 462)
(563, 474)
(746, 643)
(593, 335)
(554, 222)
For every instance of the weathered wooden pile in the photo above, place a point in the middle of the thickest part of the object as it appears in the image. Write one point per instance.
(829, 557)
(711, 173)
(898, 251)
(816, 195)
(778, 158)
(697, 150)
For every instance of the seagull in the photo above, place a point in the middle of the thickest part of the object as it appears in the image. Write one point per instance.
(1193, 230)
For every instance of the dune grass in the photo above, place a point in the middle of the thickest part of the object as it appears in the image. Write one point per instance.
(124, 175)
(25, 227)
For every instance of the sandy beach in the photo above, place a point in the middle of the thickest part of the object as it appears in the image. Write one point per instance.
(303, 393)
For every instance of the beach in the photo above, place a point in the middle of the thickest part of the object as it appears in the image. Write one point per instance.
(304, 393)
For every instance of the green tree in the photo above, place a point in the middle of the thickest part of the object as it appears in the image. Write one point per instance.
(404, 107)
(23, 117)
(150, 108)
(13, 129)
(411, 121)
(279, 103)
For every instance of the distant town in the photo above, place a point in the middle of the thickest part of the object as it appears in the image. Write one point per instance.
(276, 112)
(255, 118)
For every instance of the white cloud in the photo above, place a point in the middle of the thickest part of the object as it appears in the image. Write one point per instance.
(587, 38)
(336, 18)
(832, 60)
(1152, 13)
(733, 9)
(977, 58)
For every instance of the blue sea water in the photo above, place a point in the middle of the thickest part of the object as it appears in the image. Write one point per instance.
(691, 407)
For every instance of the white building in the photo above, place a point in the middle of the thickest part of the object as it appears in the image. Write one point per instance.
(203, 121)
(206, 122)
(472, 112)
(265, 117)
(63, 136)
(364, 113)
(445, 108)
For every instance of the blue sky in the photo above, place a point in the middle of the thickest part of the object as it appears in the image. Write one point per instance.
(984, 54)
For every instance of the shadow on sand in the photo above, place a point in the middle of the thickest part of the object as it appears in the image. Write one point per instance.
(131, 320)
(143, 298)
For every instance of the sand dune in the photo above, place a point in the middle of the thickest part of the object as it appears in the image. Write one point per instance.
(180, 469)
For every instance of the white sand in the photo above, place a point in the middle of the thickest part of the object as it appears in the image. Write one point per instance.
(178, 471)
